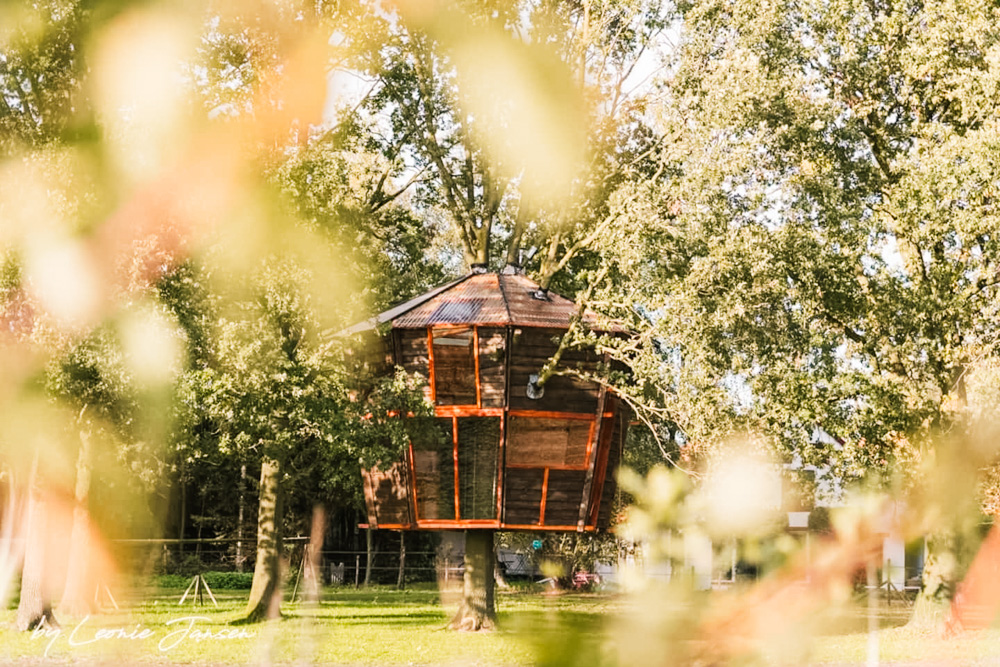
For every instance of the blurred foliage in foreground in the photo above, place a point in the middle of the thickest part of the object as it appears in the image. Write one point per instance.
(795, 214)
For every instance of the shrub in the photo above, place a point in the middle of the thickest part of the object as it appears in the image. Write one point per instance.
(215, 580)
(229, 580)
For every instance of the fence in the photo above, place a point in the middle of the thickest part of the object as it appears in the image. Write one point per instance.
(337, 567)
(445, 564)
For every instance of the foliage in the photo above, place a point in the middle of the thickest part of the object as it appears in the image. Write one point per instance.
(529, 161)
(338, 184)
(40, 71)
(819, 254)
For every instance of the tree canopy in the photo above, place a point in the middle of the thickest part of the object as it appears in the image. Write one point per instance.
(821, 251)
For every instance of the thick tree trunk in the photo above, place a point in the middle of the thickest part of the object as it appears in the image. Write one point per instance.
(265, 592)
(11, 546)
(477, 611)
(939, 579)
(78, 593)
(35, 608)
(499, 575)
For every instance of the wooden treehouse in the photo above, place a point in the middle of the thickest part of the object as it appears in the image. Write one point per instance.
(507, 455)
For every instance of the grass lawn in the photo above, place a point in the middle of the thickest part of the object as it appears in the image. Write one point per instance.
(367, 626)
(389, 627)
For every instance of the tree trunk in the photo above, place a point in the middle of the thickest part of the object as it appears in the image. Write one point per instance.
(477, 611)
(499, 574)
(314, 552)
(201, 525)
(35, 608)
(370, 559)
(11, 546)
(939, 578)
(265, 592)
(78, 593)
(401, 577)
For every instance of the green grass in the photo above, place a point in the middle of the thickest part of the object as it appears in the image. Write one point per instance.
(368, 626)
(389, 627)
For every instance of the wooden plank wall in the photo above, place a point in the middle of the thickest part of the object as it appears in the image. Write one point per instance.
(368, 356)
(562, 504)
(523, 496)
(386, 495)
(411, 354)
(530, 350)
(547, 442)
(492, 366)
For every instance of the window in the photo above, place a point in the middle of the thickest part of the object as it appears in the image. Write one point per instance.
(478, 453)
(434, 463)
(454, 357)
(434, 467)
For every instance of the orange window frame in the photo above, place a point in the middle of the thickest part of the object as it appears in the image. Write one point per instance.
(432, 375)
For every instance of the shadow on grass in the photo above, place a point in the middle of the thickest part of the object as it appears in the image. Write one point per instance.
(377, 617)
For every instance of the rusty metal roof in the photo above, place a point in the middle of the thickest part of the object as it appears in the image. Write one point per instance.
(483, 299)
(396, 310)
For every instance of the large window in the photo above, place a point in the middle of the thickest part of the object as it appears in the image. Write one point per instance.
(457, 449)
(434, 468)
(478, 454)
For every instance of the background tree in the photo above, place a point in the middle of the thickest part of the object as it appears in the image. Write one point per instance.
(821, 251)
(514, 121)
(41, 68)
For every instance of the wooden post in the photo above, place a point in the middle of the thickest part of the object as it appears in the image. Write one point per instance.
(872, 658)
(401, 577)
(239, 520)
(370, 560)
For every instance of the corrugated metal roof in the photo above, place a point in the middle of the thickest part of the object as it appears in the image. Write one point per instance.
(475, 300)
(388, 315)
(526, 309)
(489, 299)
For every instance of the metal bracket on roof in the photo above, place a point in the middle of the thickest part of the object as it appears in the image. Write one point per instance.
(478, 269)
(541, 294)
(513, 270)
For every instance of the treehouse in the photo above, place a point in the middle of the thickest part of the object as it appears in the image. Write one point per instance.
(505, 452)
